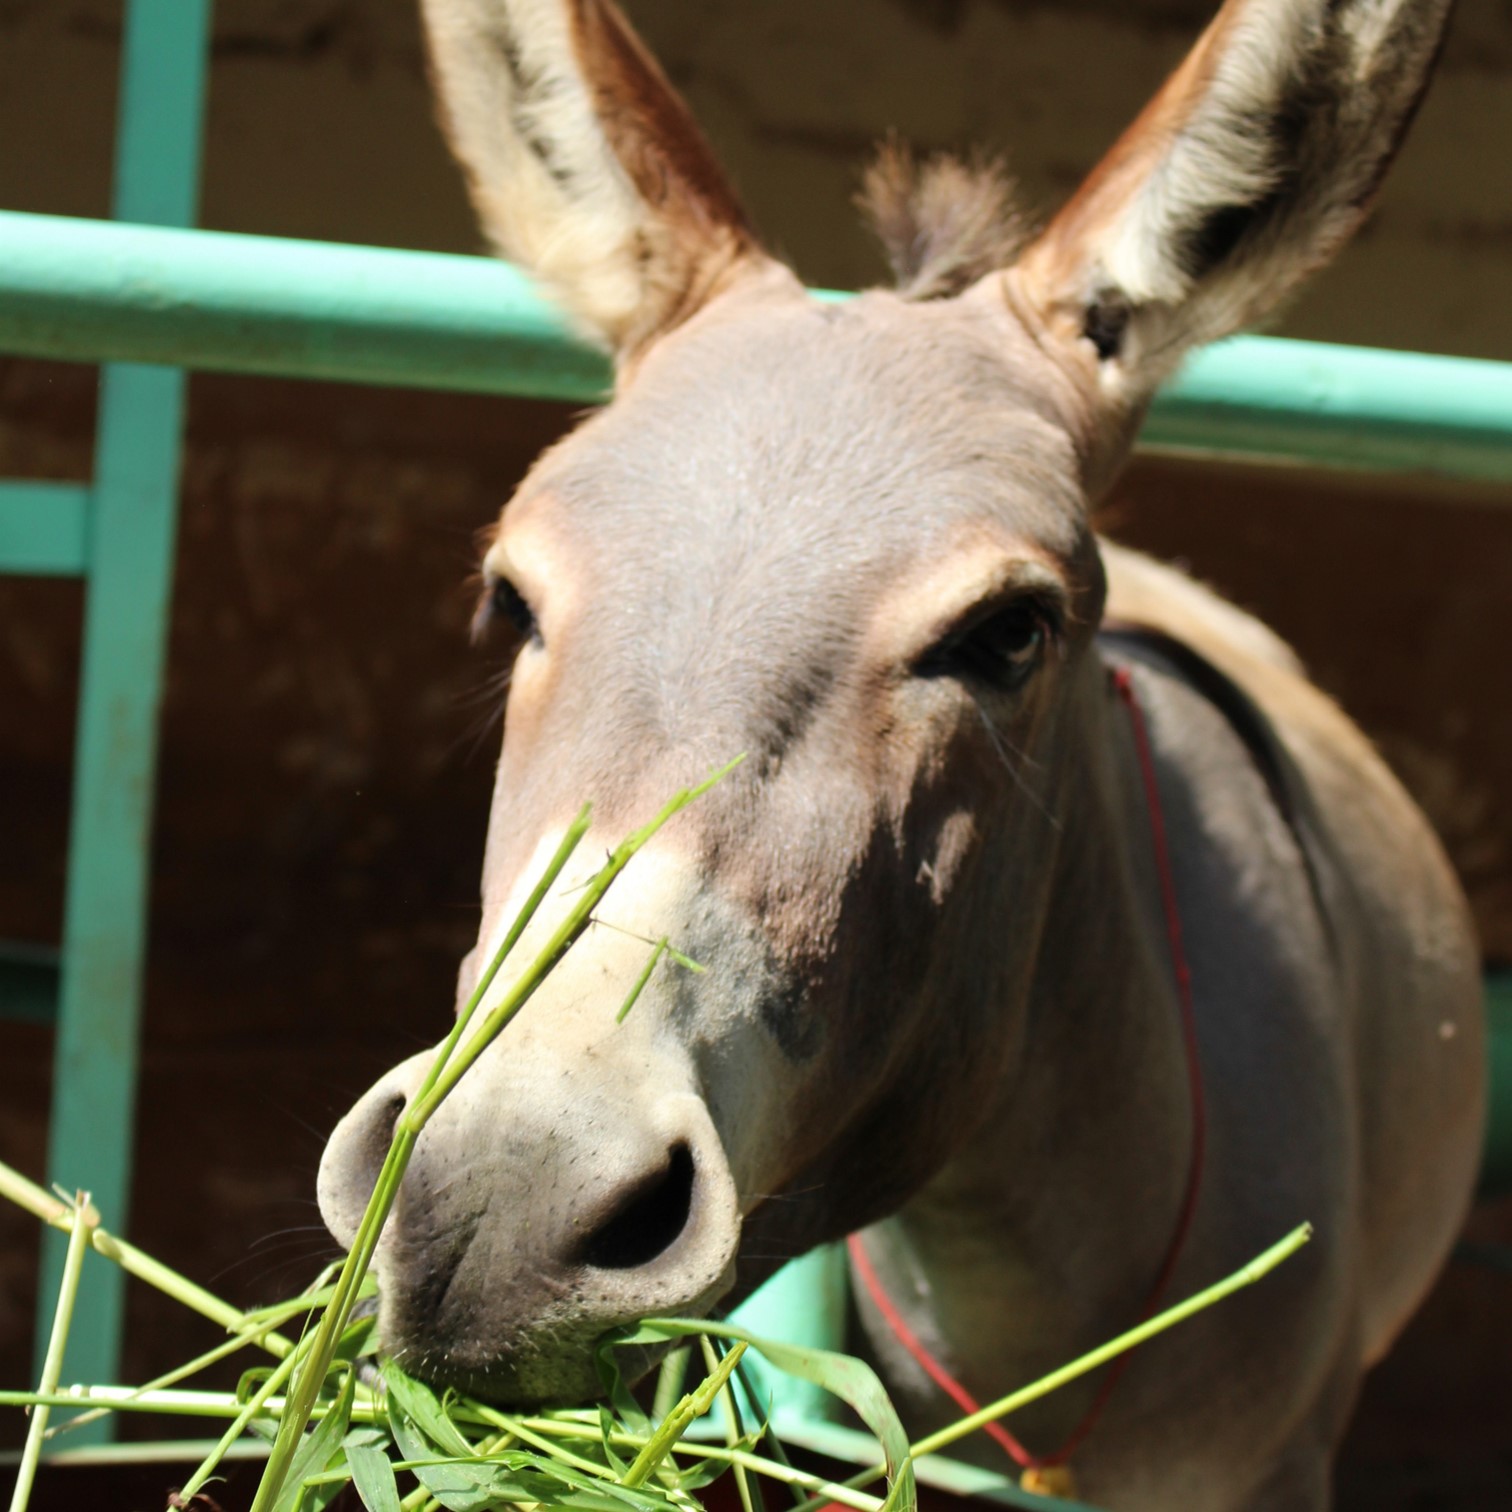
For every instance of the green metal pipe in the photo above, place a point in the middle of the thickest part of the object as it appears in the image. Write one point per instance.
(1340, 406)
(130, 528)
(88, 290)
(44, 529)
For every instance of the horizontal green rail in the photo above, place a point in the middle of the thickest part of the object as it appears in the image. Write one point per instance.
(90, 290)
(44, 529)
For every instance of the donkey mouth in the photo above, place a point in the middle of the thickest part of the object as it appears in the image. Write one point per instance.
(557, 1367)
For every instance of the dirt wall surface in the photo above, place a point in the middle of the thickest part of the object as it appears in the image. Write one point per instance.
(328, 735)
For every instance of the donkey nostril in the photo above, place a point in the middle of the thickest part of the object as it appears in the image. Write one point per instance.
(649, 1221)
(354, 1158)
(381, 1131)
(372, 1141)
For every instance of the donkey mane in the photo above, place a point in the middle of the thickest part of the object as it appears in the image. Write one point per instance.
(943, 222)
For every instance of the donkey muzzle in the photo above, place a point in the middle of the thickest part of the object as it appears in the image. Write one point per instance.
(543, 1206)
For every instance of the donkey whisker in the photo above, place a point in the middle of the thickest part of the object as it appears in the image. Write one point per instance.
(1008, 753)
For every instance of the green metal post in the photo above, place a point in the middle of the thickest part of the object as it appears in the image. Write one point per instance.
(804, 1303)
(130, 552)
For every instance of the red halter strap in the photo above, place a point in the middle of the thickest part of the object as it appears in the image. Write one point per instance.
(1123, 685)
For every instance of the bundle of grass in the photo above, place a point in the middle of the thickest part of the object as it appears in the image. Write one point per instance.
(335, 1413)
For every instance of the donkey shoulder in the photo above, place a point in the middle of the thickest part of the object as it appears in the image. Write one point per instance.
(1408, 960)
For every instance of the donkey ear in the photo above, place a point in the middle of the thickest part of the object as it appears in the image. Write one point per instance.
(1249, 169)
(584, 164)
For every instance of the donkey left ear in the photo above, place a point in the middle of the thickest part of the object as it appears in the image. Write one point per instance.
(584, 164)
(1247, 171)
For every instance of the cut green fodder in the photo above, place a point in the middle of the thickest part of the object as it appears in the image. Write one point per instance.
(403, 1445)
(336, 1413)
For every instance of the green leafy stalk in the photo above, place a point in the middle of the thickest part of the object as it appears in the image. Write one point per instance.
(385, 1191)
(669, 1383)
(747, 1489)
(84, 1219)
(566, 934)
(540, 1429)
(452, 1061)
(171, 1403)
(563, 853)
(27, 1194)
(1262, 1265)
(257, 1405)
(633, 996)
(692, 1406)
(852, 1380)
(183, 1372)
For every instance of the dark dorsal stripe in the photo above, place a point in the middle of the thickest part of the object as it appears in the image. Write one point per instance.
(1144, 645)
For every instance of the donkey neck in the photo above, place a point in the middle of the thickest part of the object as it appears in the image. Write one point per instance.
(1042, 1236)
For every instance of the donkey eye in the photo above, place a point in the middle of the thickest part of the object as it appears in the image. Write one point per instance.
(503, 602)
(1004, 649)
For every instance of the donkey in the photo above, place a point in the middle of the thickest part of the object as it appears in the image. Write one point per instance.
(945, 999)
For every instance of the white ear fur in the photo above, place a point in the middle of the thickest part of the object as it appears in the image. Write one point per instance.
(1249, 169)
(557, 115)
(1213, 161)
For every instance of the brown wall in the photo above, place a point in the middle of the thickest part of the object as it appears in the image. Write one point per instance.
(328, 735)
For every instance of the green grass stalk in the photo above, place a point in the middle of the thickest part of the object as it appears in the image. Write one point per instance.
(452, 1061)
(694, 1405)
(670, 1380)
(748, 1491)
(257, 1405)
(1262, 1265)
(563, 853)
(555, 1451)
(1258, 1268)
(419, 1500)
(446, 1076)
(52, 1211)
(84, 1219)
(183, 1372)
(169, 1402)
(633, 996)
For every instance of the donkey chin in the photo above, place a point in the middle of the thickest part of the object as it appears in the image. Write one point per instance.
(499, 1274)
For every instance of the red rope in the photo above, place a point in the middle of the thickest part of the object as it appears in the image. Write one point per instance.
(1124, 686)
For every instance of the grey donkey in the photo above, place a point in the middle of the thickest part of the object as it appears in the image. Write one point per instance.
(941, 1006)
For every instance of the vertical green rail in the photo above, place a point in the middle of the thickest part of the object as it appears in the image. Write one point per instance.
(130, 541)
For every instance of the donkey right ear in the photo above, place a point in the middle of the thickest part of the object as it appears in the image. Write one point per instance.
(1249, 169)
(584, 164)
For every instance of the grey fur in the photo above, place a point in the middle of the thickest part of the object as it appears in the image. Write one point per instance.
(939, 1002)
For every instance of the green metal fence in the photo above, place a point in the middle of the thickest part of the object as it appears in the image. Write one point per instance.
(92, 290)
(117, 531)
(150, 300)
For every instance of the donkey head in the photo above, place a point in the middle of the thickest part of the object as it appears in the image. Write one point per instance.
(851, 541)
